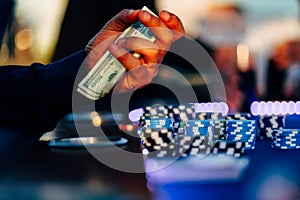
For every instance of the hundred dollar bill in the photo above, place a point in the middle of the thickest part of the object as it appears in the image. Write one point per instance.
(108, 69)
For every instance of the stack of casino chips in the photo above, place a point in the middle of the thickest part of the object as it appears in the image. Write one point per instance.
(231, 148)
(238, 116)
(201, 127)
(175, 130)
(286, 139)
(190, 143)
(162, 143)
(267, 124)
(217, 120)
(204, 130)
(242, 130)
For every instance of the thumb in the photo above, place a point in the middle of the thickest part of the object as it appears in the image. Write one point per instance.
(110, 32)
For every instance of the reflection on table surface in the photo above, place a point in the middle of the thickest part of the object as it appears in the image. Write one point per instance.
(32, 170)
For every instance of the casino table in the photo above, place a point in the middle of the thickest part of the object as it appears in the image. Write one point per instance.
(271, 174)
(32, 170)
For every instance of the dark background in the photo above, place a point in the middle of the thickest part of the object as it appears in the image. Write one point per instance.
(84, 19)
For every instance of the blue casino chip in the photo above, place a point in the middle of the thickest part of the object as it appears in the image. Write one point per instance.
(242, 130)
(156, 122)
(238, 116)
(292, 121)
(197, 127)
(208, 115)
(266, 124)
(286, 139)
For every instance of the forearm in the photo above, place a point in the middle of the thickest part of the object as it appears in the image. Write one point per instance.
(36, 97)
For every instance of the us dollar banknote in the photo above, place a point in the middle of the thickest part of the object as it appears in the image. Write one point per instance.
(108, 70)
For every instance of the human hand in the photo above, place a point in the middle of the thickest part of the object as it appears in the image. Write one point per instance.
(167, 28)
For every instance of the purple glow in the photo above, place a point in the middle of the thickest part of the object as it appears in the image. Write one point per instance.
(276, 108)
(135, 115)
(209, 106)
(263, 106)
(284, 108)
(297, 107)
(215, 107)
(269, 107)
(206, 108)
(202, 108)
(259, 109)
(253, 108)
(225, 108)
(220, 107)
(199, 107)
(145, 152)
(291, 107)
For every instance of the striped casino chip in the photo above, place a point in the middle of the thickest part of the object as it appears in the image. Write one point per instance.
(187, 111)
(244, 127)
(174, 112)
(286, 139)
(156, 122)
(193, 145)
(208, 115)
(155, 110)
(238, 116)
(182, 112)
(183, 146)
(232, 148)
(155, 139)
(197, 127)
(243, 131)
(266, 125)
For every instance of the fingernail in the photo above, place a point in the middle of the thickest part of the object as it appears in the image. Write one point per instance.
(146, 16)
(166, 16)
(121, 41)
(130, 11)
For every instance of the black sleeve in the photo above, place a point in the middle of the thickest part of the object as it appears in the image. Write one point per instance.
(36, 97)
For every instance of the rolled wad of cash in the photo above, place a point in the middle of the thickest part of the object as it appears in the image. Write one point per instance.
(108, 70)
